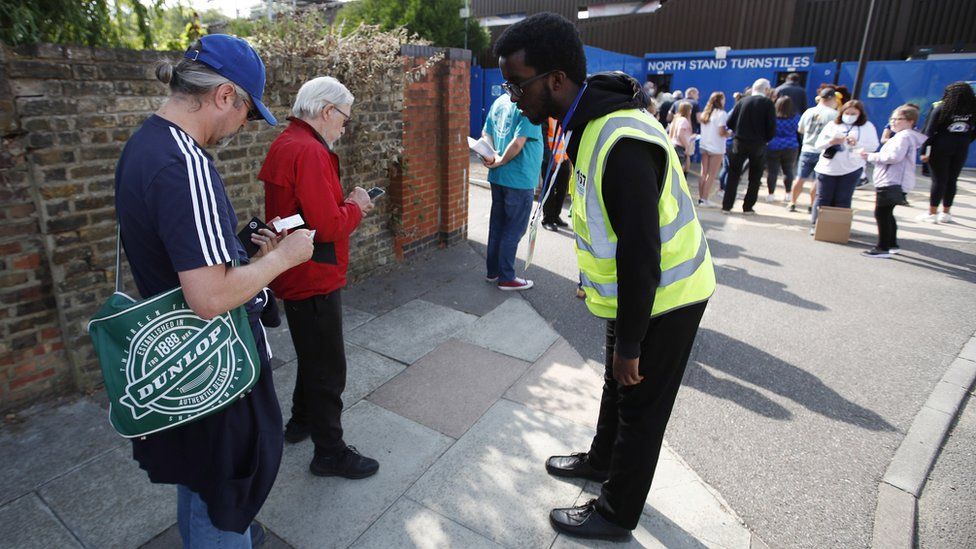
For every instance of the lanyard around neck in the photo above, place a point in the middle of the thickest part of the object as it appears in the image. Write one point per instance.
(559, 140)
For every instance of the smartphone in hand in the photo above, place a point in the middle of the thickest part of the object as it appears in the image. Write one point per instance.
(376, 192)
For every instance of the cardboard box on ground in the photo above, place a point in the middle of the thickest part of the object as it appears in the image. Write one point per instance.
(834, 224)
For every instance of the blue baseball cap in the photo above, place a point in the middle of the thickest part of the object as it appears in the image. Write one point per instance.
(237, 61)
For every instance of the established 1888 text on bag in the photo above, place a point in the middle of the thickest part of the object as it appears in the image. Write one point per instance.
(165, 366)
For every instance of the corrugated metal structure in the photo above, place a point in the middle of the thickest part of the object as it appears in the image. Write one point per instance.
(834, 27)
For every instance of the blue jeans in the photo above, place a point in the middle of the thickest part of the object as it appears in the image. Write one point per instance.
(834, 190)
(510, 209)
(196, 529)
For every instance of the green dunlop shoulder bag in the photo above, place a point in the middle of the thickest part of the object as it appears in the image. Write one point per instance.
(165, 366)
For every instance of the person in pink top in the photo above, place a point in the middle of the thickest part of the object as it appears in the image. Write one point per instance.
(894, 175)
(680, 133)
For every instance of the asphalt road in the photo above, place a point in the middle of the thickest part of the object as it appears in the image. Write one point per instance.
(811, 361)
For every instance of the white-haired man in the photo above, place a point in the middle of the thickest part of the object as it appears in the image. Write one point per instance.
(301, 176)
(753, 119)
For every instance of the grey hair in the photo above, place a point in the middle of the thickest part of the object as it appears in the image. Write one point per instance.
(318, 93)
(761, 85)
(193, 78)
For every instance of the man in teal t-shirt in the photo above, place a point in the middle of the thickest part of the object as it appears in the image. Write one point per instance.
(513, 174)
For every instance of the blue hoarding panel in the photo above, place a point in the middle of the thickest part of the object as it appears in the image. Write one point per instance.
(888, 84)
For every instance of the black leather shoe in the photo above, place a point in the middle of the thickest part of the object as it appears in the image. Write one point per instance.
(295, 433)
(586, 522)
(348, 463)
(574, 466)
(560, 223)
(549, 226)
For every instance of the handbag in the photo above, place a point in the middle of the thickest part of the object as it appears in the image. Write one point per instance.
(163, 365)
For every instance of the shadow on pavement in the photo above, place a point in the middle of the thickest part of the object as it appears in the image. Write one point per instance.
(757, 367)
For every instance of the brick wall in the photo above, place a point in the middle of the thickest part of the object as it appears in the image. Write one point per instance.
(65, 114)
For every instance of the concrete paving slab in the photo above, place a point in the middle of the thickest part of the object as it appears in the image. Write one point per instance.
(469, 293)
(170, 539)
(410, 524)
(672, 472)
(697, 511)
(562, 384)
(110, 502)
(27, 523)
(654, 531)
(894, 519)
(365, 371)
(512, 328)
(411, 330)
(493, 480)
(914, 457)
(50, 443)
(450, 387)
(282, 348)
(309, 511)
(415, 277)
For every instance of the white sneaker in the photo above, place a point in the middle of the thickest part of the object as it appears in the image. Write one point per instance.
(708, 204)
(894, 251)
(770, 198)
(927, 218)
(944, 217)
(813, 231)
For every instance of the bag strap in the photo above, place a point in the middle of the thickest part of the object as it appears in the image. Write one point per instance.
(118, 258)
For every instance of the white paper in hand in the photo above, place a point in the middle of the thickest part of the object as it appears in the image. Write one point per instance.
(288, 223)
(481, 147)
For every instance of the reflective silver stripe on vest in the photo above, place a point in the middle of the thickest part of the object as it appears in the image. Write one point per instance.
(686, 268)
(677, 273)
(605, 290)
(600, 246)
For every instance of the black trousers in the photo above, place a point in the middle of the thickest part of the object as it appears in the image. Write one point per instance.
(784, 159)
(316, 330)
(884, 214)
(553, 206)
(946, 163)
(630, 428)
(742, 151)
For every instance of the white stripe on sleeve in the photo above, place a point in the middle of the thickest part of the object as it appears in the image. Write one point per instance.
(191, 176)
(207, 202)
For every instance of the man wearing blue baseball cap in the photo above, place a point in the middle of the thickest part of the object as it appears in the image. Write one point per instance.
(179, 229)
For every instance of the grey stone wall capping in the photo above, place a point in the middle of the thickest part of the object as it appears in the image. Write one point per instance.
(418, 50)
(896, 515)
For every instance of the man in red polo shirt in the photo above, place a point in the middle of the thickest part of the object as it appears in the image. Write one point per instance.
(301, 176)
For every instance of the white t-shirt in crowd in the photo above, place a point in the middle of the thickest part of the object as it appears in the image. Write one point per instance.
(845, 161)
(711, 141)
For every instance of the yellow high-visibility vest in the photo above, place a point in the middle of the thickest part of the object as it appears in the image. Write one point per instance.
(687, 275)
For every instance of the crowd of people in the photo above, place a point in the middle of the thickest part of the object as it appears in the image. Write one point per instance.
(830, 143)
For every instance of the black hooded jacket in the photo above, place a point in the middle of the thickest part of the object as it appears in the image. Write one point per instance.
(632, 181)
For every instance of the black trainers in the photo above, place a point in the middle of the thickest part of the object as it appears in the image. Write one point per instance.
(560, 223)
(348, 463)
(575, 466)
(876, 253)
(550, 226)
(295, 433)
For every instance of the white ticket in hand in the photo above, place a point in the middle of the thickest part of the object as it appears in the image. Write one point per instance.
(288, 223)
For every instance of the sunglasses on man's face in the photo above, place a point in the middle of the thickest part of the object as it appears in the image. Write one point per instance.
(252, 112)
(516, 91)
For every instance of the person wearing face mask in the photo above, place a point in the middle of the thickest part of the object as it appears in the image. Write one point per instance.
(301, 176)
(839, 168)
(178, 228)
(894, 175)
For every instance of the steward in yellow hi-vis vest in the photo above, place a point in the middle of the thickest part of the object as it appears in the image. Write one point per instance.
(643, 259)
(687, 276)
